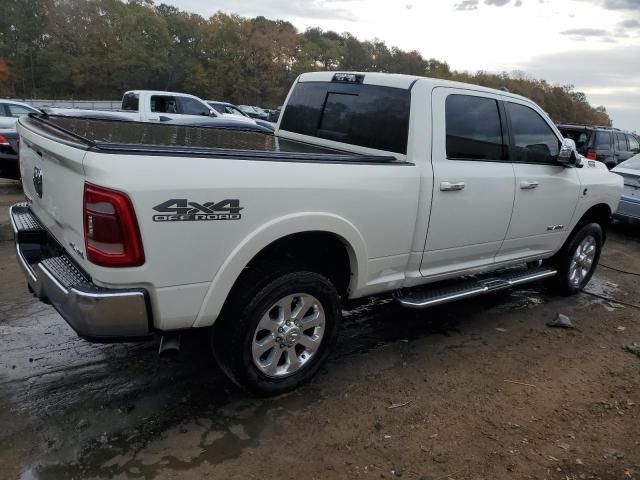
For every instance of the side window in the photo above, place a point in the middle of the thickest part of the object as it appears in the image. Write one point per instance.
(534, 140)
(621, 142)
(191, 106)
(474, 130)
(634, 145)
(603, 141)
(163, 104)
(18, 110)
(3, 111)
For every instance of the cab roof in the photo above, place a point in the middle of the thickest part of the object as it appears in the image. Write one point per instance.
(398, 80)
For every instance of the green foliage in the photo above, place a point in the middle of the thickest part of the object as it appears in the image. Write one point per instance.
(96, 49)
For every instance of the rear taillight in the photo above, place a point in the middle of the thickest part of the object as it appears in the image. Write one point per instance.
(591, 155)
(4, 142)
(111, 233)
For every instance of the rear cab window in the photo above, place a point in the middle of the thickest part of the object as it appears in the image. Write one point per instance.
(130, 102)
(359, 114)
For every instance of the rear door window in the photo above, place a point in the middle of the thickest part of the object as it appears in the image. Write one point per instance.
(621, 142)
(534, 140)
(365, 115)
(474, 128)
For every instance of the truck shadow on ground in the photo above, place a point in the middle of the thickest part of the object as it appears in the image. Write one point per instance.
(109, 409)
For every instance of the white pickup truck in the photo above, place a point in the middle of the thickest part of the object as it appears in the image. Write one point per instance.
(156, 106)
(425, 189)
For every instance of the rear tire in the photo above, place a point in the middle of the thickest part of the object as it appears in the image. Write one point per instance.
(279, 329)
(578, 259)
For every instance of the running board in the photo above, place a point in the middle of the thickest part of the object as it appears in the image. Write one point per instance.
(436, 295)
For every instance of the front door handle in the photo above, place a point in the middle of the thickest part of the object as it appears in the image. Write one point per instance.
(451, 186)
(527, 185)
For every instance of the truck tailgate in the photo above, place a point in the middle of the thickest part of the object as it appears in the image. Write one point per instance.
(53, 180)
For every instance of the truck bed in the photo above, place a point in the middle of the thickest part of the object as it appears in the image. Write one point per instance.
(131, 138)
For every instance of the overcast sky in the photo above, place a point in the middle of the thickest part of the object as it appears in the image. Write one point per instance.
(592, 44)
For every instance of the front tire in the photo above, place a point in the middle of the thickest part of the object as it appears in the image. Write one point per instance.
(278, 331)
(578, 259)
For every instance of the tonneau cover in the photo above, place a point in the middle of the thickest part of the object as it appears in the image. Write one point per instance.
(116, 136)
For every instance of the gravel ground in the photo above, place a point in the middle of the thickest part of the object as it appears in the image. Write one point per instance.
(475, 390)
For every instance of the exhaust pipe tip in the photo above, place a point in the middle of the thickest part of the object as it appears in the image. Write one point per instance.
(169, 345)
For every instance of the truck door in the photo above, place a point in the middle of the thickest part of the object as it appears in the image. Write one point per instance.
(546, 193)
(474, 188)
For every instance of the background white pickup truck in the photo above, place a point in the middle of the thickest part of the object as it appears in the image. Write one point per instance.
(373, 183)
(156, 106)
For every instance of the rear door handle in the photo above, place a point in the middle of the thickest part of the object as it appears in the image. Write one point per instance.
(527, 185)
(451, 186)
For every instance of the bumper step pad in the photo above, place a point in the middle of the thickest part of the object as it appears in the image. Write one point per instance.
(96, 313)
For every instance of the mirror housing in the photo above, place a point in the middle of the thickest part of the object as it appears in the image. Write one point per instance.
(568, 155)
(212, 113)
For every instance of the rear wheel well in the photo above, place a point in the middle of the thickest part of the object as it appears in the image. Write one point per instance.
(320, 252)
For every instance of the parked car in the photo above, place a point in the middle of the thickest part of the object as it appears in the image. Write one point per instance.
(629, 208)
(225, 108)
(605, 144)
(372, 184)
(253, 112)
(11, 111)
(274, 115)
(9, 164)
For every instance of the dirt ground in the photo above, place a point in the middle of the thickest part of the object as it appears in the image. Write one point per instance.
(475, 390)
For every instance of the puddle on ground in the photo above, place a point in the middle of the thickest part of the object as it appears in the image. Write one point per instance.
(604, 288)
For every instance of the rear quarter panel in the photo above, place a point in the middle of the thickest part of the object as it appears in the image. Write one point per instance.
(355, 201)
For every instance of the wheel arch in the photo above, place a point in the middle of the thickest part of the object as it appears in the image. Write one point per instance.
(600, 213)
(279, 236)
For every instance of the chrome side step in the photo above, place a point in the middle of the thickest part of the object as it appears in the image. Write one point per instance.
(430, 296)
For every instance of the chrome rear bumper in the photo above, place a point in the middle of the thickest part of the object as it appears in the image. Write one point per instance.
(95, 313)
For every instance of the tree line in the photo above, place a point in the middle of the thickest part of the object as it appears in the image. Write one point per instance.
(97, 49)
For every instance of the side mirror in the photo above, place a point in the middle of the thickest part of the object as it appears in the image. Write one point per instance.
(212, 113)
(568, 155)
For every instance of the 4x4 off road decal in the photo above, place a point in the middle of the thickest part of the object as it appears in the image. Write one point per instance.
(182, 210)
